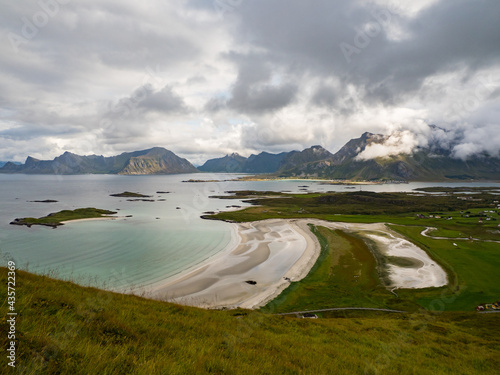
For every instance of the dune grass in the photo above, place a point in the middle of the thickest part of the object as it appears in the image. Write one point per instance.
(345, 275)
(63, 328)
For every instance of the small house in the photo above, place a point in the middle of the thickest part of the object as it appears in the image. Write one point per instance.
(309, 316)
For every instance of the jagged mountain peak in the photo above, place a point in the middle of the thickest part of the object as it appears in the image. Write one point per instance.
(30, 160)
(156, 151)
(156, 160)
(296, 158)
(230, 163)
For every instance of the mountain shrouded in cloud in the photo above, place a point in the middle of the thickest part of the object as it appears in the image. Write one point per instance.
(212, 78)
(374, 157)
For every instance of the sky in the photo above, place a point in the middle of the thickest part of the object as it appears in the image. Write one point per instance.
(204, 78)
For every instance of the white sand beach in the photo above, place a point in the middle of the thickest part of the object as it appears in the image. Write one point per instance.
(93, 219)
(266, 255)
(270, 253)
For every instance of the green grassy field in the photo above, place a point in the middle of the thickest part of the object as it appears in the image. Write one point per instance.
(473, 266)
(63, 328)
(345, 275)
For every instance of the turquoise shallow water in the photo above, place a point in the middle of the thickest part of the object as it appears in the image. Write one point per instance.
(159, 241)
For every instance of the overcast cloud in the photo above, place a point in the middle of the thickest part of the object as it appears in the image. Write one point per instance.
(206, 78)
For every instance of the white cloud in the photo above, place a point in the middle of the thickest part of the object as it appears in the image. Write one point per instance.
(272, 71)
(399, 142)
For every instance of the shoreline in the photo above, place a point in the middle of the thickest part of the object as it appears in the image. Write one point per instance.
(270, 253)
(424, 273)
(93, 219)
(274, 252)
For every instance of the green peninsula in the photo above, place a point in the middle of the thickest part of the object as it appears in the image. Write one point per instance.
(56, 219)
(459, 231)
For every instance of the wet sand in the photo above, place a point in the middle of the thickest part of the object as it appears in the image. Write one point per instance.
(420, 272)
(271, 253)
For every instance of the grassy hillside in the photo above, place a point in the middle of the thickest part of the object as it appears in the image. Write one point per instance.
(66, 329)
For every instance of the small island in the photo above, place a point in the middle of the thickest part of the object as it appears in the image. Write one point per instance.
(201, 181)
(58, 218)
(128, 194)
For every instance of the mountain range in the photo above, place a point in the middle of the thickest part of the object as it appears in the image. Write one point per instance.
(156, 160)
(2, 163)
(430, 163)
(265, 162)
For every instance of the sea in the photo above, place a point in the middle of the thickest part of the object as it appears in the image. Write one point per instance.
(151, 242)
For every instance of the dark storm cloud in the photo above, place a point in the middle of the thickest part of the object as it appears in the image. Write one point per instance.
(445, 37)
(281, 73)
(164, 100)
(325, 96)
(308, 37)
(258, 98)
(258, 88)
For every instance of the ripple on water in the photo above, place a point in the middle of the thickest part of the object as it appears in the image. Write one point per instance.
(116, 254)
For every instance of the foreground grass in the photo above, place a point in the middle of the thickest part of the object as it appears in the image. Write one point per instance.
(56, 219)
(67, 329)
